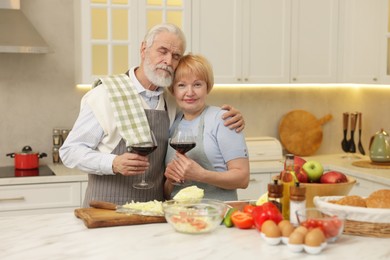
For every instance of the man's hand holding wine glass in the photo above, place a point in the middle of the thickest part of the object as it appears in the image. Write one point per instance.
(130, 164)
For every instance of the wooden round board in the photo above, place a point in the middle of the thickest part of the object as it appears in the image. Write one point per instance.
(372, 165)
(301, 132)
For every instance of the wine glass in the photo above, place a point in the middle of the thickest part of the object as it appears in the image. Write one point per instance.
(182, 141)
(143, 149)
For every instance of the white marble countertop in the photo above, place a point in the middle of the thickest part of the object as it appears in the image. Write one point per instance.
(63, 236)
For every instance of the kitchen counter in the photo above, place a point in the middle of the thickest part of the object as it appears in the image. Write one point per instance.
(62, 174)
(336, 162)
(330, 162)
(63, 236)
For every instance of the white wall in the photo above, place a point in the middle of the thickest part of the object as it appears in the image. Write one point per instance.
(37, 93)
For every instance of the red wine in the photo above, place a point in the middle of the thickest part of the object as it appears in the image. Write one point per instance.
(142, 150)
(183, 147)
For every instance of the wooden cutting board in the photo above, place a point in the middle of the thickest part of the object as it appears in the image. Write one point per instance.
(301, 132)
(96, 218)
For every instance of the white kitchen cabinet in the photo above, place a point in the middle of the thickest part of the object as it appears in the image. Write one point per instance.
(364, 187)
(40, 197)
(262, 41)
(258, 185)
(314, 41)
(362, 32)
(84, 186)
(246, 41)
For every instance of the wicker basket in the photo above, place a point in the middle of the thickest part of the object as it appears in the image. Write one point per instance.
(359, 221)
(367, 229)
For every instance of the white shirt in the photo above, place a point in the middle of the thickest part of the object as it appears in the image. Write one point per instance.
(79, 148)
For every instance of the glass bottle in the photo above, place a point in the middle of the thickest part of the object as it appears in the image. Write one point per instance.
(287, 179)
(297, 201)
(275, 194)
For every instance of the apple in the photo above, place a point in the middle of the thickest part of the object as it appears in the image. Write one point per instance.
(314, 170)
(300, 173)
(302, 176)
(333, 177)
(299, 161)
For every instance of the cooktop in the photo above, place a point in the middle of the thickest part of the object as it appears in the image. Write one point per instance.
(10, 171)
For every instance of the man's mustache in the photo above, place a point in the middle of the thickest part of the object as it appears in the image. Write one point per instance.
(165, 67)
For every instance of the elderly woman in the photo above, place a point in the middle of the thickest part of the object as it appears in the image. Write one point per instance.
(219, 162)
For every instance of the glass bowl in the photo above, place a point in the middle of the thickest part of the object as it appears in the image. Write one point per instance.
(194, 216)
(331, 224)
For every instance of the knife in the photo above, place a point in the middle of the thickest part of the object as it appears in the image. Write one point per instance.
(97, 204)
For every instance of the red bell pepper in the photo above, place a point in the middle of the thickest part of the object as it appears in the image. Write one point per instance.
(265, 212)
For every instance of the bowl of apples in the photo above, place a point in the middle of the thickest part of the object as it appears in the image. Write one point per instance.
(318, 182)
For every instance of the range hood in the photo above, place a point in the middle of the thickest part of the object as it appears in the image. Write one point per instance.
(17, 34)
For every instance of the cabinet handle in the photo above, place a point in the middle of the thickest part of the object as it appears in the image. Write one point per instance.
(245, 79)
(252, 180)
(374, 79)
(238, 79)
(294, 79)
(11, 199)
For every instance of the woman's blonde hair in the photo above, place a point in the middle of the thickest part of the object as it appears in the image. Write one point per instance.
(197, 65)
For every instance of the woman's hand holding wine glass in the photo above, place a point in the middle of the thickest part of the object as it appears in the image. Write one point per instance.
(182, 141)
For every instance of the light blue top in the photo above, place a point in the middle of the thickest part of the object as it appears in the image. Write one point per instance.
(218, 145)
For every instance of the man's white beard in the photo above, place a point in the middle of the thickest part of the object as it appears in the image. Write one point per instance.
(155, 79)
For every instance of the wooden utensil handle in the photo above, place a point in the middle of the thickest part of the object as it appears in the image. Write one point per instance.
(345, 120)
(360, 121)
(353, 121)
(102, 205)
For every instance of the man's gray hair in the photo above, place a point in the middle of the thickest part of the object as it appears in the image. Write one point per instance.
(164, 27)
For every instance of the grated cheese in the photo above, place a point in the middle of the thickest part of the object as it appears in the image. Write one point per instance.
(154, 206)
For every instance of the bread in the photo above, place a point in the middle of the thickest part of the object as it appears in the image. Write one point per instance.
(354, 200)
(379, 199)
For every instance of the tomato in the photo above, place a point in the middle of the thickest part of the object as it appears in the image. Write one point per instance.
(329, 228)
(242, 220)
(264, 212)
(337, 222)
(249, 208)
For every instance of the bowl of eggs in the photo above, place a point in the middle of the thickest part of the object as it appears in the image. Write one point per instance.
(332, 225)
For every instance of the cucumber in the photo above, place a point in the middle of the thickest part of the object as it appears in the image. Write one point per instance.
(227, 221)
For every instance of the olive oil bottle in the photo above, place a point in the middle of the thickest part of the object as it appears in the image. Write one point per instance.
(287, 177)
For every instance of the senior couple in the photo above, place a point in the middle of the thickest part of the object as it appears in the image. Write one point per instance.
(123, 109)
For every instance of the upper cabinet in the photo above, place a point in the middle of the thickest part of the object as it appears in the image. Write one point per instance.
(246, 41)
(262, 41)
(314, 41)
(362, 34)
